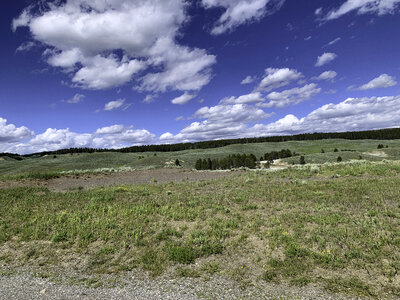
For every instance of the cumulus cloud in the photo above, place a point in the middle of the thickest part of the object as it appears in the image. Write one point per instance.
(115, 136)
(275, 78)
(248, 80)
(76, 99)
(10, 133)
(106, 72)
(327, 75)
(183, 99)
(380, 7)
(383, 81)
(185, 69)
(114, 104)
(325, 58)
(149, 99)
(255, 97)
(108, 43)
(221, 121)
(353, 114)
(292, 96)
(238, 12)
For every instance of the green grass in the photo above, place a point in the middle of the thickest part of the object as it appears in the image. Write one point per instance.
(30, 167)
(294, 226)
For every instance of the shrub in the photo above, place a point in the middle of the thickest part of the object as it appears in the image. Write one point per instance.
(336, 150)
(177, 162)
(339, 159)
(302, 160)
(314, 169)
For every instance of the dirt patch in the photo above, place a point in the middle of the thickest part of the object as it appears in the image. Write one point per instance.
(88, 181)
(377, 153)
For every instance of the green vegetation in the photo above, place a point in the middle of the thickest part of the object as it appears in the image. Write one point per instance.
(336, 225)
(112, 161)
(230, 162)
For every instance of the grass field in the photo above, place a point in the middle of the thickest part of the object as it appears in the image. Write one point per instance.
(311, 149)
(334, 225)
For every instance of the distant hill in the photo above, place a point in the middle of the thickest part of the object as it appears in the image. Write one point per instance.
(382, 134)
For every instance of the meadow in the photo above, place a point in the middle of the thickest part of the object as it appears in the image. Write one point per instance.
(333, 225)
(95, 161)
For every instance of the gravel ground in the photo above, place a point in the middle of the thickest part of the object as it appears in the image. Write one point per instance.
(23, 286)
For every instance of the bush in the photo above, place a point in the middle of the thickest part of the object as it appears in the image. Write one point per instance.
(314, 169)
(177, 162)
(336, 150)
(302, 160)
(339, 159)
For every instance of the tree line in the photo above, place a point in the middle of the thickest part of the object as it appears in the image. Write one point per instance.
(232, 161)
(382, 134)
(240, 160)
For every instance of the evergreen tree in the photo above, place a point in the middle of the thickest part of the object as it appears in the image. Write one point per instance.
(198, 164)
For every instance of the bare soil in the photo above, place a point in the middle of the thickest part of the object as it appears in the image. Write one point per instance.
(88, 181)
(377, 153)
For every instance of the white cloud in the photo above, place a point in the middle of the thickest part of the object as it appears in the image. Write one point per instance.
(221, 121)
(107, 43)
(115, 136)
(113, 129)
(248, 80)
(10, 133)
(333, 42)
(327, 75)
(106, 72)
(318, 11)
(325, 58)
(76, 99)
(238, 12)
(353, 114)
(255, 97)
(185, 69)
(149, 99)
(292, 96)
(114, 104)
(383, 81)
(275, 78)
(183, 99)
(25, 47)
(231, 113)
(380, 7)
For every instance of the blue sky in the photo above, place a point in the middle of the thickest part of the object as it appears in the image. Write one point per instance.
(115, 73)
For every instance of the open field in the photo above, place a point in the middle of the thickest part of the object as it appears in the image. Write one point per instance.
(311, 149)
(332, 228)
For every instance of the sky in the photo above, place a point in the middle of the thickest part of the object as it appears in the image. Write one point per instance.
(117, 73)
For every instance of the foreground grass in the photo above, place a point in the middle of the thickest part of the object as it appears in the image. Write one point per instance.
(296, 226)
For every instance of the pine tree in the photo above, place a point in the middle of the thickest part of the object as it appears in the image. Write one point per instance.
(198, 164)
